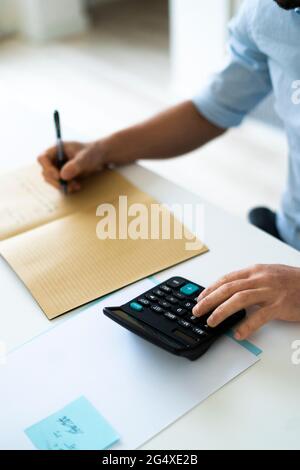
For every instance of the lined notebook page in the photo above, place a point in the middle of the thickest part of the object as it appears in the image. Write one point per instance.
(64, 264)
(27, 201)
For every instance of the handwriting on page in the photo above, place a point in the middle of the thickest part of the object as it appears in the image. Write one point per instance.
(45, 197)
(31, 202)
(62, 436)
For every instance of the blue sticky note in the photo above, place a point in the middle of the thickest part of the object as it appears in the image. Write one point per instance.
(77, 426)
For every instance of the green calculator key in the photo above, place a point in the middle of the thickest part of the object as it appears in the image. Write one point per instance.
(136, 306)
(189, 289)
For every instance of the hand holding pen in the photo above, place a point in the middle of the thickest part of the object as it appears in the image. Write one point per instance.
(66, 164)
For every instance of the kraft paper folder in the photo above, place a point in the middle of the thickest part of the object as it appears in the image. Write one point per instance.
(50, 240)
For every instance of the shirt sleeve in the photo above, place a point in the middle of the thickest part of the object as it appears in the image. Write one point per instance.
(244, 81)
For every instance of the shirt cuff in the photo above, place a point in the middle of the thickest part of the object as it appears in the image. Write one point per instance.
(218, 113)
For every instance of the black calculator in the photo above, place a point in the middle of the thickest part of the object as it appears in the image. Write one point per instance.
(163, 316)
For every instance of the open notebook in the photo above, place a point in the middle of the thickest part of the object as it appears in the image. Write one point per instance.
(51, 242)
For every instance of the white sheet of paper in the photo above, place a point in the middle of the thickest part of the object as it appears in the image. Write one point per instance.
(139, 388)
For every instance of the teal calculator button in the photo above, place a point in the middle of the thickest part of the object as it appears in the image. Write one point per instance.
(136, 306)
(189, 289)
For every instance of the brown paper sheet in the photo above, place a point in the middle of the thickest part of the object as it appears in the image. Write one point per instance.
(51, 240)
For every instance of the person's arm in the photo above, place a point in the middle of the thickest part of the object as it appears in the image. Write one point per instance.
(174, 132)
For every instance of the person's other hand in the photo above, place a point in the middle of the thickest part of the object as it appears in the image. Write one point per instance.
(273, 289)
(83, 160)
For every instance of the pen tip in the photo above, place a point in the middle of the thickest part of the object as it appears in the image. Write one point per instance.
(57, 121)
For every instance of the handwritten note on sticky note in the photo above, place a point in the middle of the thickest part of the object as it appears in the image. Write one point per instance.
(77, 426)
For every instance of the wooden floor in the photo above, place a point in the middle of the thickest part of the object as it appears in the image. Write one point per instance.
(113, 76)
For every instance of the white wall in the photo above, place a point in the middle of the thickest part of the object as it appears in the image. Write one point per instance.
(43, 19)
(9, 16)
(198, 41)
(47, 19)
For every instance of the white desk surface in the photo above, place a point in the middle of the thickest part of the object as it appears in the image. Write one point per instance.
(260, 408)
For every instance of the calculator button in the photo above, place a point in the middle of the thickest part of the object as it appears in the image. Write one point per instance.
(158, 292)
(151, 297)
(194, 319)
(179, 296)
(175, 282)
(157, 309)
(184, 323)
(206, 328)
(172, 299)
(204, 318)
(165, 288)
(179, 311)
(199, 332)
(189, 305)
(170, 316)
(189, 289)
(144, 301)
(135, 306)
(164, 304)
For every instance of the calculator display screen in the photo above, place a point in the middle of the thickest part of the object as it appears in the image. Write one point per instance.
(129, 319)
(146, 330)
(182, 335)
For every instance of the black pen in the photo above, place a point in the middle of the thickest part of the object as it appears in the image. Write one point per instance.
(61, 159)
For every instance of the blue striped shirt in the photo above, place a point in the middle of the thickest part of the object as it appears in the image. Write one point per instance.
(264, 49)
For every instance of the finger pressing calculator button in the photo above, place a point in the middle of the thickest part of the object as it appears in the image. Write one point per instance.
(175, 282)
(184, 323)
(151, 297)
(144, 301)
(170, 316)
(158, 292)
(179, 311)
(135, 306)
(189, 289)
(157, 309)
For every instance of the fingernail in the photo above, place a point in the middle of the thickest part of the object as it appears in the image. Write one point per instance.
(211, 321)
(237, 336)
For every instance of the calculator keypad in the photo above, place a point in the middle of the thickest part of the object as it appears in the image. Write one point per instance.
(169, 302)
(164, 316)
